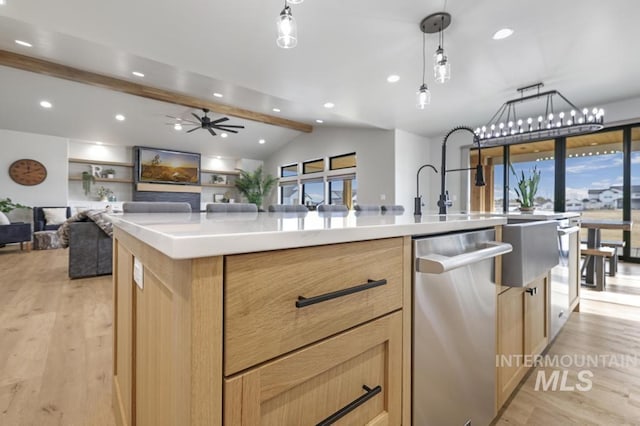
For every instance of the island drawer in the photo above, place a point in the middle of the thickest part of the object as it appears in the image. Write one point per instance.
(276, 302)
(351, 378)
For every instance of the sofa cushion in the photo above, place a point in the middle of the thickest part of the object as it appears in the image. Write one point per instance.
(54, 215)
(4, 220)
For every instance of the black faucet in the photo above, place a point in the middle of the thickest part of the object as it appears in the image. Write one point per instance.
(444, 201)
(417, 202)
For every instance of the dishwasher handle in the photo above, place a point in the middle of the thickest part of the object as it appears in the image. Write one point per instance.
(438, 264)
(566, 231)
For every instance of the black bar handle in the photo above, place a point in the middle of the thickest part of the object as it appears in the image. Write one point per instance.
(303, 301)
(351, 406)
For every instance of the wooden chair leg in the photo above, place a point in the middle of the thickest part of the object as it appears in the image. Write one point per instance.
(600, 283)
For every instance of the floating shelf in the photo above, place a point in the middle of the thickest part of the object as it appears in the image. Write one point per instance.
(114, 180)
(218, 185)
(220, 172)
(102, 163)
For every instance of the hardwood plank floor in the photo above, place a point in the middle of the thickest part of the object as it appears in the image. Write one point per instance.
(608, 325)
(56, 340)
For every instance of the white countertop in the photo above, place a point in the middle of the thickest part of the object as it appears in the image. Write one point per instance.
(192, 235)
(539, 215)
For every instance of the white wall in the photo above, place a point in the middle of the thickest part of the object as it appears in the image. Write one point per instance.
(411, 152)
(50, 151)
(374, 156)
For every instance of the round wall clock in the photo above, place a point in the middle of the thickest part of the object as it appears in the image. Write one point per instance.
(27, 172)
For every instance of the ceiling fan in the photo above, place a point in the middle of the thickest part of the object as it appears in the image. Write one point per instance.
(205, 122)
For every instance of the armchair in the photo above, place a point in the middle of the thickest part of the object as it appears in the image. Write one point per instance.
(18, 232)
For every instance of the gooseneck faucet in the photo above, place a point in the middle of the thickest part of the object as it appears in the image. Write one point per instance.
(417, 202)
(444, 201)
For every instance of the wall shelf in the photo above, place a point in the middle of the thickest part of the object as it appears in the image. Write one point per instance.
(102, 163)
(114, 180)
(220, 172)
(218, 185)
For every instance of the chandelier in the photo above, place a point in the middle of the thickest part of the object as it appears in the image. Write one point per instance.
(506, 127)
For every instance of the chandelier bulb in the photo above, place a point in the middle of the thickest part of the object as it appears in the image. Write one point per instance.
(561, 115)
(529, 120)
(573, 112)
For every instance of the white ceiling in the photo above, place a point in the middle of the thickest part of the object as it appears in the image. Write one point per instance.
(346, 49)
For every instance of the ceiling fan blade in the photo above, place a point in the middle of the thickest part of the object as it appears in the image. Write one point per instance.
(227, 130)
(231, 126)
(192, 130)
(211, 131)
(220, 120)
(197, 118)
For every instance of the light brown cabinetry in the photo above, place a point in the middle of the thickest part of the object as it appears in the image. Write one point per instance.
(523, 330)
(203, 337)
(309, 386)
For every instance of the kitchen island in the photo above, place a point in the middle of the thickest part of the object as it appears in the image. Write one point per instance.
(266, 318)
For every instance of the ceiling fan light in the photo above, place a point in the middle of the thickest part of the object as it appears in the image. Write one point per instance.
(287, 29)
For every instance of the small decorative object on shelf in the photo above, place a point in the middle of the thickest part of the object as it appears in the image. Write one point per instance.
(109, 173)
(87, 180)
(218, 179)
(104, 193)
(527, 187)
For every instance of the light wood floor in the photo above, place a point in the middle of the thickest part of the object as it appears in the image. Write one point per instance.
(55, 350)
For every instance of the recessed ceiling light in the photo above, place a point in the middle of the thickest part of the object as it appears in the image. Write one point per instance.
(120, 117)
(329, 105)
(393, 78)
(276, 110)
(23, 43)
(98, 143)
(319, 121)
(218, 95)
(46, 104)
(218, 157)
(137, 74)
(223, 135)
(177, 127)
(262, 141)
(502, 33)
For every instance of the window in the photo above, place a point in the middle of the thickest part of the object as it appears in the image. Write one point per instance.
(524, 158)
(289, 193)
(313, 193)
(635, 192)
(315, 166)
(290, 170)
(342, 161)
(343, 190)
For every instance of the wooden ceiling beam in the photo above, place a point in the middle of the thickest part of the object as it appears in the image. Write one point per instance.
(41, 66)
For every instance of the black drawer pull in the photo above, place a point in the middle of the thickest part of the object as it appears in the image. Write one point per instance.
(351, 406)
(303, 301)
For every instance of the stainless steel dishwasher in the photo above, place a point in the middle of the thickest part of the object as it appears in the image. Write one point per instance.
(563, 274)
(454, 328)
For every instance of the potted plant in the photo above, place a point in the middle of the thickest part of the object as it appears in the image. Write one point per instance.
(6, 205)
(527, 187)
(104, 193)
(255, 185)
(109, 173)
(87, 180)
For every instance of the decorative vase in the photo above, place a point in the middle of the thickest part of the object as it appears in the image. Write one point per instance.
(111, 176)
(104, 198)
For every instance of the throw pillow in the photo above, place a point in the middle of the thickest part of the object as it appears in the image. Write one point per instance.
(4, 220)
(55, 216)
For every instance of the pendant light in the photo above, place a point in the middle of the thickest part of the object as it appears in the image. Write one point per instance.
(423, 96)
(437, 23)
(287, 30)
(295, 1)
(441, 66)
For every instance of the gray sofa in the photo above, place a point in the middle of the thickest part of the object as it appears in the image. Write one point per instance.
(90, 250)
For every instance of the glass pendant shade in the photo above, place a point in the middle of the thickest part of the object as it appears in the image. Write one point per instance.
(294, 1)
(441, 67)
(423, 97)
(287, 30)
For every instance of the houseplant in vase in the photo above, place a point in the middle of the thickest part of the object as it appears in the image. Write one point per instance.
(255, 185)
(104, 193)
(87, 180)
(526, 189)
(109, 173)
